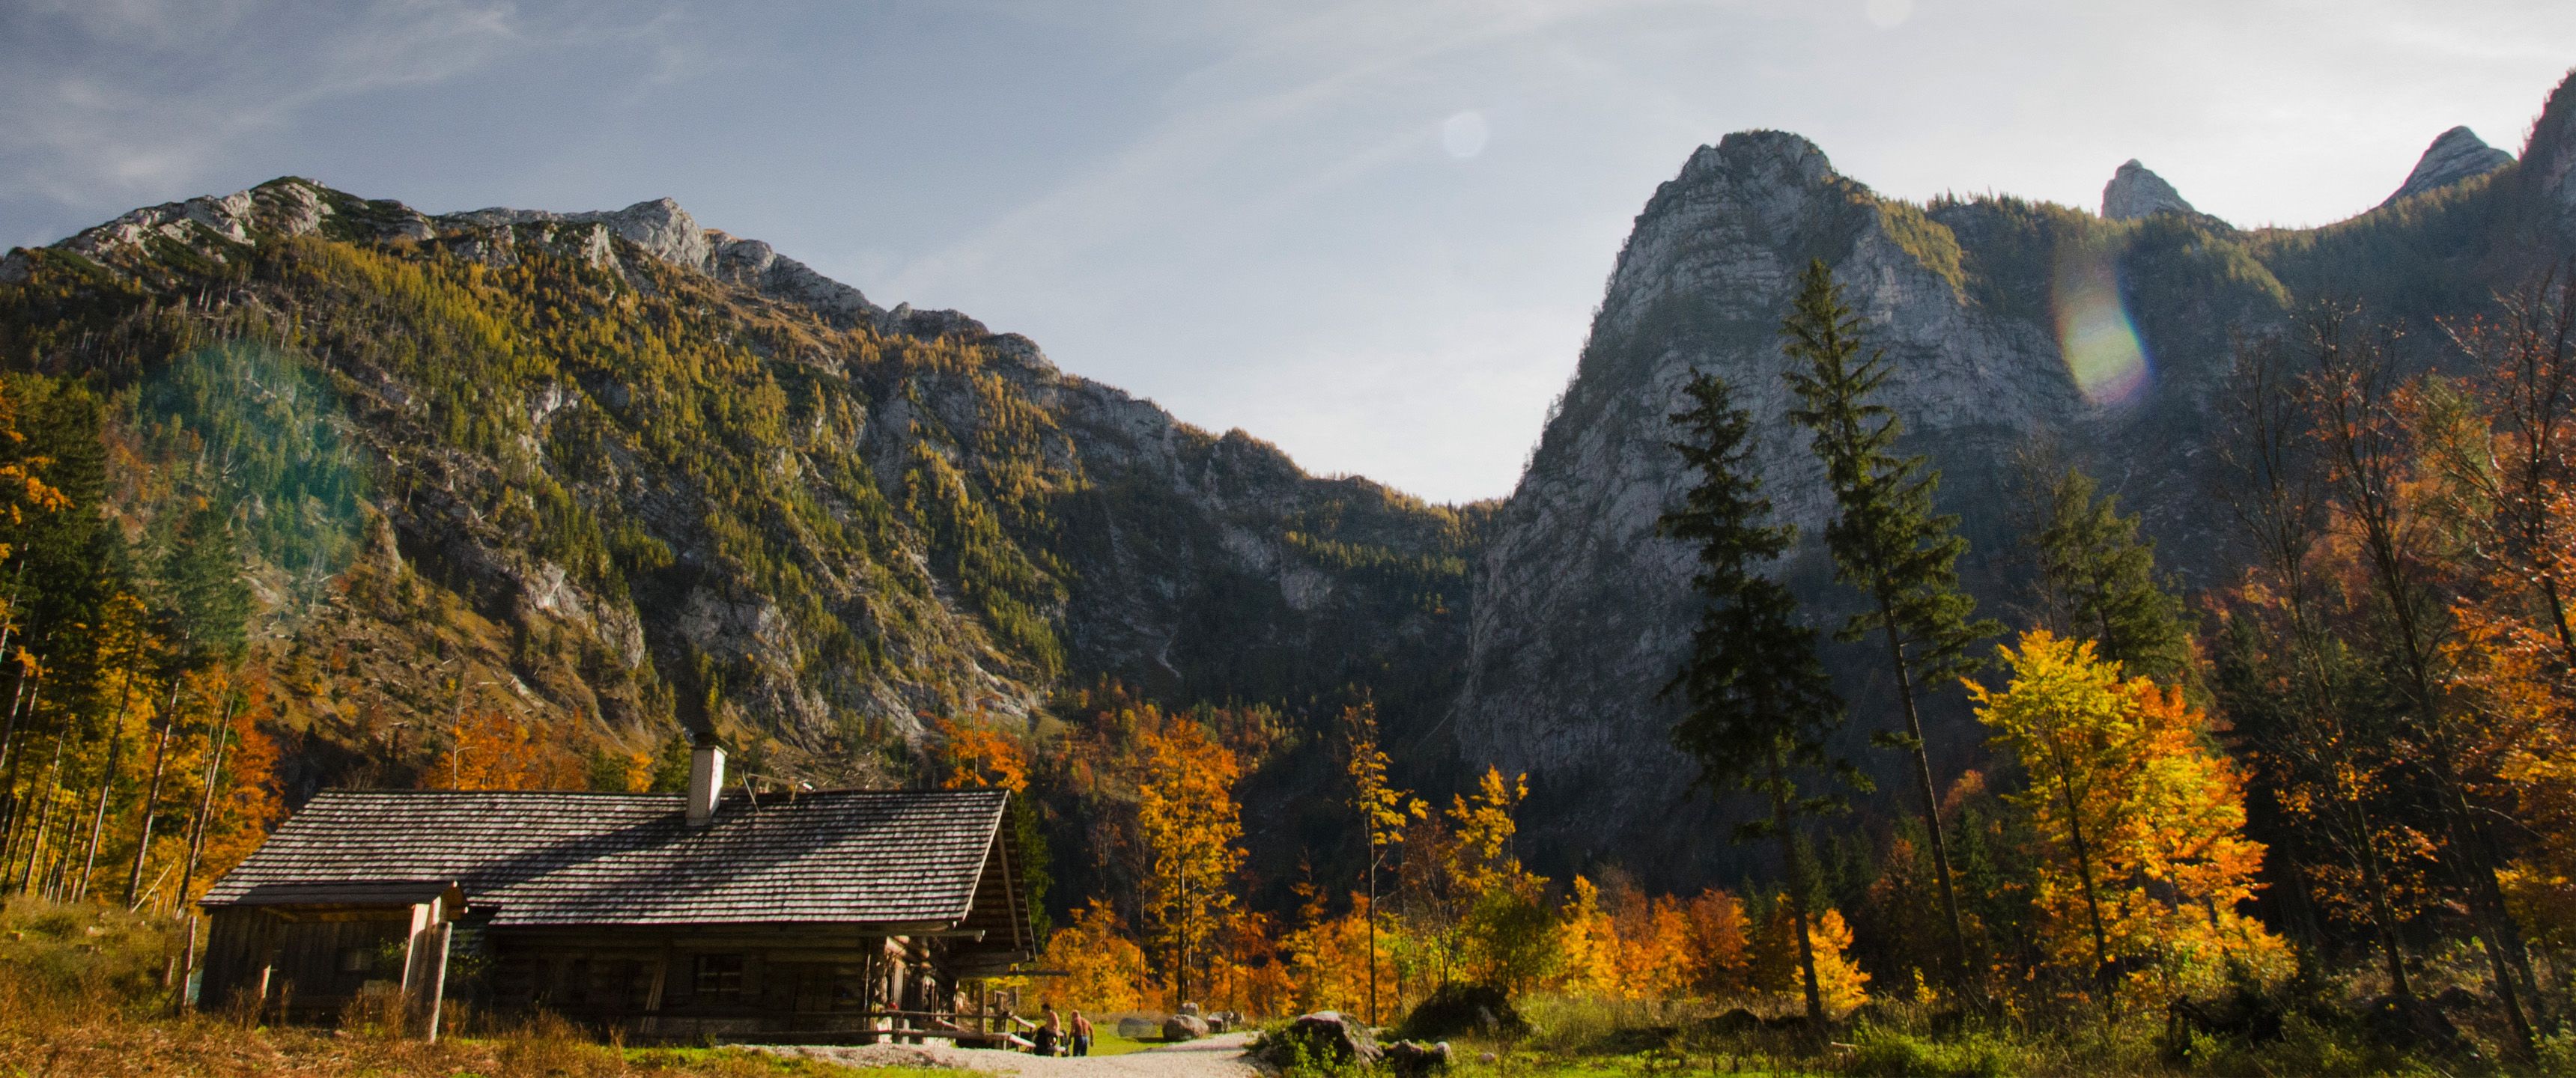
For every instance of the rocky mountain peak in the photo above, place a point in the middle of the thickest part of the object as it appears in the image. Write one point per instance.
(2456, 155)
(2135, 191)
(1788, 157)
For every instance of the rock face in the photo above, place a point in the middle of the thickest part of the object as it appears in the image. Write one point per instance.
(2457, 155)
(1583, 612)
(915, 516)
(2135, 192)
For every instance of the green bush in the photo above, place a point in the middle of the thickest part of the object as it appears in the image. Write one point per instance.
(1970, 1055)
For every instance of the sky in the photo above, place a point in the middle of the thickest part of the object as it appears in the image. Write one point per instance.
(1371, 233)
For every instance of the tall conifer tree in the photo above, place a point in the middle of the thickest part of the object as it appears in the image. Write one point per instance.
(2099, 579)
(1761, 705)
(1885, 538)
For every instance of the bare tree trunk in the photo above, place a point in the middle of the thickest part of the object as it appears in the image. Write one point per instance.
(222, 738)
(152, 794)
(1931, 798)
(1795, 866)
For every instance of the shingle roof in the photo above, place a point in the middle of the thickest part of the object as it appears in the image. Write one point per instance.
(889, 857)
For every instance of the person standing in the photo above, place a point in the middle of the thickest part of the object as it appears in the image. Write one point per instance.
(1081, 1034)
(1051, 1033)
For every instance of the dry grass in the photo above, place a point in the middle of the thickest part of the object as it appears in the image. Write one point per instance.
(81, 995)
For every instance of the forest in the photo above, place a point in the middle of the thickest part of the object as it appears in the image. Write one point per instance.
(2313, 820)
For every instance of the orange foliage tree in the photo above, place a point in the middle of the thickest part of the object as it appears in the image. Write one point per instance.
(1719, 950)
(973, 755)
(1840, 985)
(491, 750)
(2142, 854)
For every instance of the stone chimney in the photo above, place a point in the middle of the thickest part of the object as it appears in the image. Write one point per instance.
(706, 778)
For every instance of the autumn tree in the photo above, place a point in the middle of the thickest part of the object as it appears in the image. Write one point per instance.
(2290, 680)
(971, 755)
(2140, 825)
(974, 756)
(1503, 928)
(2360, 409)
(1760, 707)
(1383, 812)
(1188, 823)
(1784, 954)
(492, 750)
(1885, 537)
(1714, 924)
(1104, 970)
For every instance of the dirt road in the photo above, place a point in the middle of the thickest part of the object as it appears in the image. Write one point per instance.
(1215, 1057)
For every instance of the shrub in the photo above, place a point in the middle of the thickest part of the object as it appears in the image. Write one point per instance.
(1457, 1009)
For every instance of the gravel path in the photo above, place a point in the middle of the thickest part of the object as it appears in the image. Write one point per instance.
(1215, 1057)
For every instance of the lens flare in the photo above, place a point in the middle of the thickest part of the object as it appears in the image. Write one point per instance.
(2101, 347)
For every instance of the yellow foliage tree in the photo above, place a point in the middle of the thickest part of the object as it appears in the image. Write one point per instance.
(1774, 959)
(1331, 957)
(1188, 822)
(1104, 970)
(1589, 965)
(2143, 858)
(1505, 936)
(1384, 811)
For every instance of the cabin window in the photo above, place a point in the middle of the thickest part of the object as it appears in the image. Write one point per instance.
(357, 960)
(719, 978)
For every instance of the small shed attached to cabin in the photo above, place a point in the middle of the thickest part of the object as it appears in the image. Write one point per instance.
(818, 916)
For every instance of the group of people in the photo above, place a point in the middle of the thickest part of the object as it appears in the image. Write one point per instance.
(1054, 1037)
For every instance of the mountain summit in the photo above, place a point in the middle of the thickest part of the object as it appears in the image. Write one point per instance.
(2135, 191)
(2457, 154)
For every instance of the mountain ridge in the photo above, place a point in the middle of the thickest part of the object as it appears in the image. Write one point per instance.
(639, 474)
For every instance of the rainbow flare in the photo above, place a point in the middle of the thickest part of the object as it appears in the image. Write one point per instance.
(2101, 347)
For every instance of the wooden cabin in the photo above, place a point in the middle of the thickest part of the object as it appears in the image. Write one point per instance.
(837, 915)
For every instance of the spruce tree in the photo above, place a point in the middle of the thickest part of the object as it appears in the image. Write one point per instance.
(1761, 707)
(1885, 539)
(2098, 582)
(210, 606)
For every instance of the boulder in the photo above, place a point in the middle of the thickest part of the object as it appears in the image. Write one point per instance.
(1457, 1009)
(1184, 1027)
(1326, 1038)
(1415, 1057)
(1732, 1023)
(1136, 1029)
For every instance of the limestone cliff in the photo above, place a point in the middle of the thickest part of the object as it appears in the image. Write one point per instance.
(1582, 613)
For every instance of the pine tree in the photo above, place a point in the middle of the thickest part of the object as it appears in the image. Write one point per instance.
(2098, 579)
(1885, 538)
(1761, 707)
(202, 574)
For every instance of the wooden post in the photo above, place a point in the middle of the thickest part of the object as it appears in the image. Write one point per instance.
(438, 977)
(653, 995)
(187, 963)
